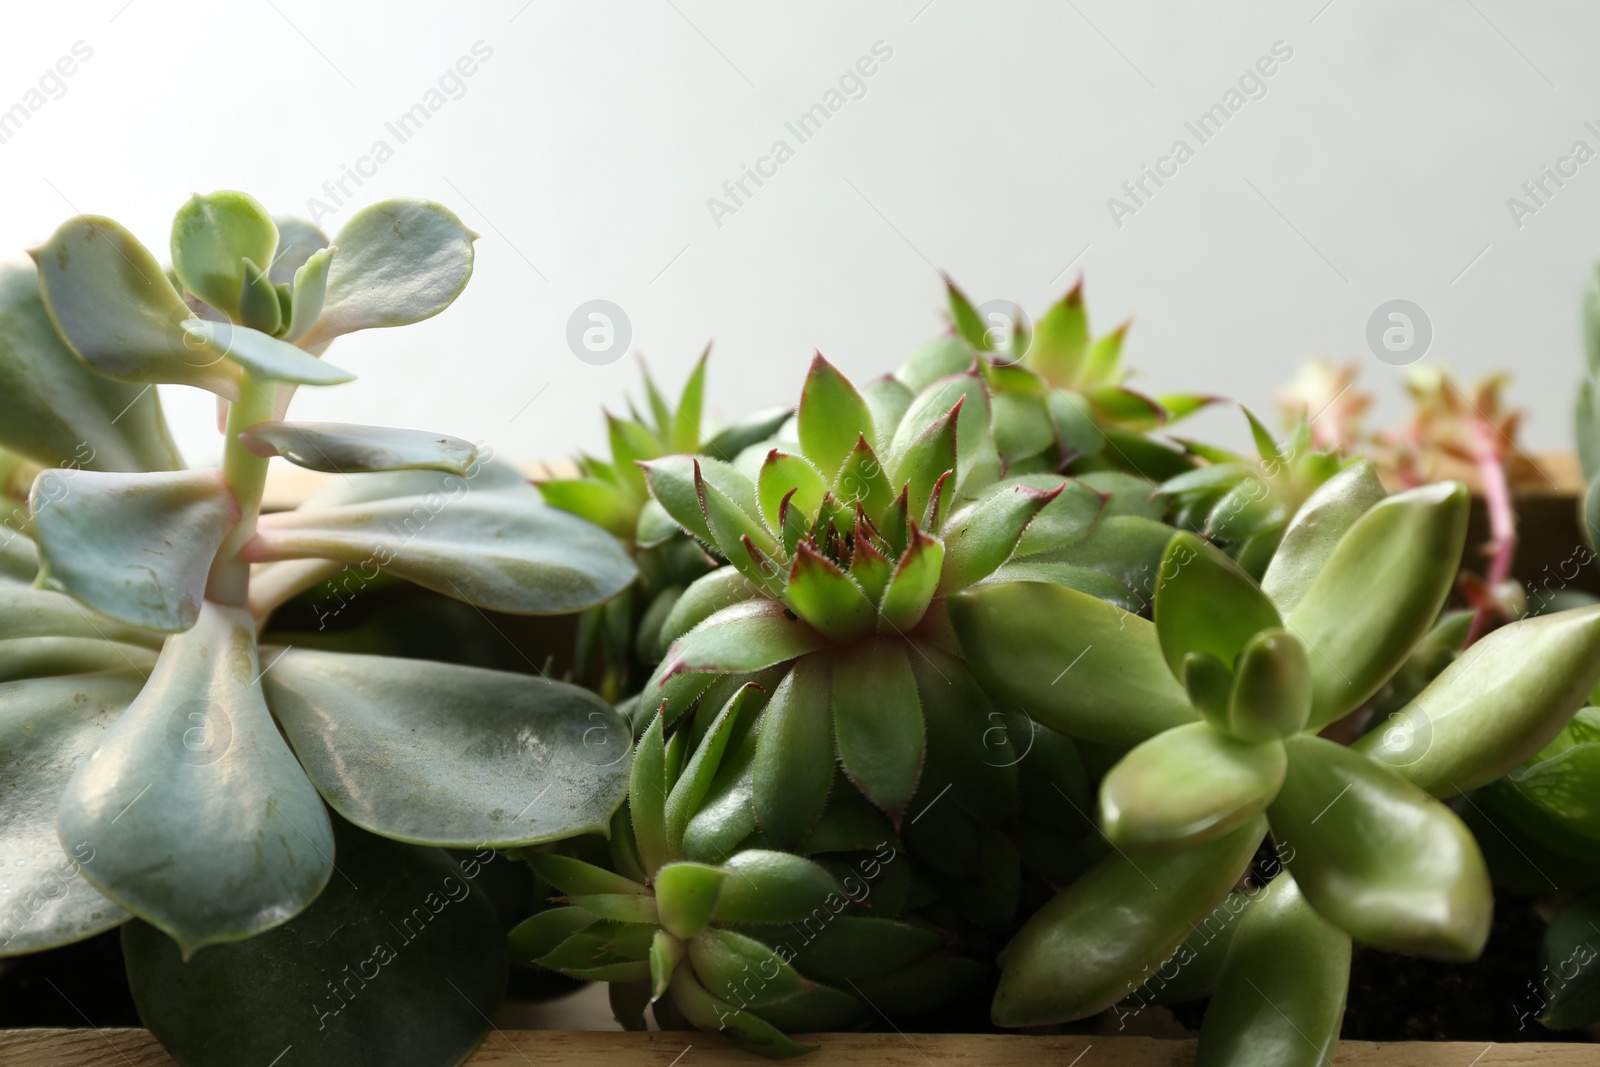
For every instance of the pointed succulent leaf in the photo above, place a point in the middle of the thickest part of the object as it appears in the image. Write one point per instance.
(1378, 857)
(1061, 340)
(212, 236)
(1495, 706)
(1064, 519)
(200, 819)
(691, 406)
(136, 547)
(672, 483)
(1280, 996)
(262, 355)
(1095, 672)
(1075, 426)
(630, 443)
(620, 908)
(687, 896)
(888, 398)
(496, 547)
(877, 722)
(1316, 528)
(111, 302)
(55, 410)
(853, 947)
(792, 478)
(647, 792)
(1097, 584)
(772, 887)
(965, 318)
(739, 1025)
(940, 358)
(752, 429)
(1022, 425)
(794, 756)
(1378, 593)
(912, 587)
(870, 568)
(400, 261)
(310, 289)
(730, 522)
(1117, 405)
(48, 727)
(573, 877)
(1571, 965)
(1187, 786)
(863, 483)
(341, 448)
(694, 782)
(926, 458)
(977, 460)
(514, 760)
(539, 934)
(826, 597)
(1205, 603)
(745, 637)
(407, 912)
(832, 417)
(1074, 956)
(982, 536)
(706, 596)
(1272, 688)
(666, 952)
(742, 969)
(601, 947)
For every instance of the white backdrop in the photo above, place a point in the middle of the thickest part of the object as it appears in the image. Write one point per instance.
(1376, 162)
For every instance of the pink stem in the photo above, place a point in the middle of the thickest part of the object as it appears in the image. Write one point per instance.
(1502, 526)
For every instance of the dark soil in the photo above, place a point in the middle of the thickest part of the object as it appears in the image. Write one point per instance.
(79, 985)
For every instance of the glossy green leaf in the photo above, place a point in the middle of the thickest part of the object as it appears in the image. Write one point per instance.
(400, 261)
(826, 597)
(136, 547)
(1209, 684)
(1316, 528)
(200, 819)
(402, 961)
(1495, 706)
(687, 895)
(497, 547)
(743, 970)
(1205, 603)
(1061, 340)
(1377, 856)
(212, 236)
(1187, 786)
(1378, 593)
(981, 537)
(782, 474)
(887, 398)
(111, 302)
(926, 458)
(310, 289)
(1095, 672)
(854, 947)
(742, 638)
(794, 756)
(1279, 1001)
(58, 412)
(48, 727)
(774, 887)
(1075, 956)
(575, 878)
(647, 795)
(977, 460)
(340, 447)
(706, 596)
(739, 1025)
(1571, 967)
(939, 358)
(542, 931)
(1272, 688)
(511, 759)
(1192, 971)
(877, 722)
(832, 417)
(912, 586)
(701, 769)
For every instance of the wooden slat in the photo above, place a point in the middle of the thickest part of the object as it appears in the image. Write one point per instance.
(553, 1048)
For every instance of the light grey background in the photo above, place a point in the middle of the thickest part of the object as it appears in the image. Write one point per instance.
(1377, 165)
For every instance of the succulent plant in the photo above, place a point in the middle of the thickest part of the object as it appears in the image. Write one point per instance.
(159, 763)
(1221, 699)
(621, 637)
(755, 945)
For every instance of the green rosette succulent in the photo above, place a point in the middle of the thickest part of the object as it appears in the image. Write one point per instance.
(1221, 699)
(755, 944)
(160, 763)
(620, 641)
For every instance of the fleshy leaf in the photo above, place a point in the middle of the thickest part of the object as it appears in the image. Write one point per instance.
(772, 887)
(926, 457)
(739, 1025)
(977, 460)
(981, 537)
(888, 398)
(400, 261)
(694, 782)
(832, 417)
(111, 302)
(1061, 340)
(342, 448)
(310, 288)
(1378, 857)
(1205, 603)
(136, 547)
(1272, 688)
(742, 969)
(212, 236)
(826, 597)
(794, 758)
(1316, 528)
(783, 474)
(260, 307)
(511, 760)
(298, 241)
(940, 358)
(877, 721)
(29, 612)
(742, 638)
(200, 819)
(863, 483)
(687, 895)
(913, 584)
(262, 355)
(647, 790)
(1187, 786)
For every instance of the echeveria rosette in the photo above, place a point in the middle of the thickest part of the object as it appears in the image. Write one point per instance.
(1060, 404)
(1222, 698)
(622, 636)
(755, 944)
(173, 769)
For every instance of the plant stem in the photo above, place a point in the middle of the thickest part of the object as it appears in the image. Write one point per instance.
(246, 475)
(1502, 526)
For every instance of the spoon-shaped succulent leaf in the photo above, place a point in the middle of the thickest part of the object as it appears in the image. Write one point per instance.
(1075, 955)
(740, 639)
(48, 726)
(1209, 684)
(1378, 593)
(549, 760)
(744, 1028)
(400, 261)
(309, 290)
(1316, 528)
(1272, 688)
(1096, 672)
(263, 355)
(341, 448)
(877, 721)
(913, 585)
(111, 302)
(136, 547)
(1205, 603)
(788, 477)
(831, 418)
(1187, 786)
(1495, 706)
(1378, 857)
(1280, 997)
(29, 612)
(58, 412)
(261, 307)
(212, 236)
(794, 755)
(497, 547)
(298, 241)
(200, 819)
(982, 536)
(772, 887)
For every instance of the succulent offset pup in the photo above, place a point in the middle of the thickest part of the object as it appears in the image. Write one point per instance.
(139, 718)
(1222, 697)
